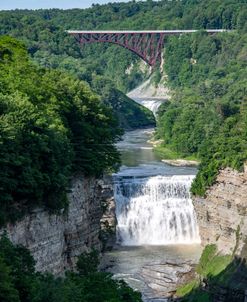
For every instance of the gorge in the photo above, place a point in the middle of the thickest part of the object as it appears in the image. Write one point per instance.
(157, 232)
(156, 221)
(101, 153)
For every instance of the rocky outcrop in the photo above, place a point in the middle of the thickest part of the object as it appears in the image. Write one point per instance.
(163, 279)
(56, 241)
(109, 219)
(181, 162)
(148, 90)
(222, 214)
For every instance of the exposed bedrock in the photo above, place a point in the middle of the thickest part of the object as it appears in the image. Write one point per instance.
(163, 279)
(56, 241)
(222, 214)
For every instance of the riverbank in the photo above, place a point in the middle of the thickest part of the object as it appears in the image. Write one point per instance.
(155, 271)
(172, 157)
(181, 162)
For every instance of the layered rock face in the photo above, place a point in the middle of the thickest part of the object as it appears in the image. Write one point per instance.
(109, 219)
(164, 279)
(56, 241)
(222, 215)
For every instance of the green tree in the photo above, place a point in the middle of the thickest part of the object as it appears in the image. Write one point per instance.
(8, 293)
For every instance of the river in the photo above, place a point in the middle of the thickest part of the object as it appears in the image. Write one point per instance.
(156, 219)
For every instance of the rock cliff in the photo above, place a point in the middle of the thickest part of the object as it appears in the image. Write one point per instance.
(56, 241)
(222, 214)
(148, 90)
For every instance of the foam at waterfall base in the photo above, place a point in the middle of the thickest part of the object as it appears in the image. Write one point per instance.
(155, 210)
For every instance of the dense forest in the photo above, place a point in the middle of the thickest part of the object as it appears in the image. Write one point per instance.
(43, 32)
(207, 116)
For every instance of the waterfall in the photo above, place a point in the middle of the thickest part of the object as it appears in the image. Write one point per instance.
(151, 104)
(155, 210)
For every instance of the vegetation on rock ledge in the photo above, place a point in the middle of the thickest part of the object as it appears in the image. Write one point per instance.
(220, 277)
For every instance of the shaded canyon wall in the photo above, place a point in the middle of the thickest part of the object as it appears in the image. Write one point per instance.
(222, 214)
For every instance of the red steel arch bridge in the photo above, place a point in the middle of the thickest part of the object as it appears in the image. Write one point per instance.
(147, 44)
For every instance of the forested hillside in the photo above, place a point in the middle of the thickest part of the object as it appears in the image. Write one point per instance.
(43, 31)
(207, 116)
(51, 127)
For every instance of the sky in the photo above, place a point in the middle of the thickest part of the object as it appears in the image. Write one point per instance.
(35, 4)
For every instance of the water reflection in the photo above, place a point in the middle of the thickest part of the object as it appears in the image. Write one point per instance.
(139, 158)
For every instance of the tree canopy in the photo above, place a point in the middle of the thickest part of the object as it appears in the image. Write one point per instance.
(51, 127)
(43, 32)
(207, 115)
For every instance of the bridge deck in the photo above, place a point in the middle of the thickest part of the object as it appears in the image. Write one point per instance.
(142, 31)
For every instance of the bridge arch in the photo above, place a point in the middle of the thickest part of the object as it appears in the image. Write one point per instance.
(146, 44)
(135, 51)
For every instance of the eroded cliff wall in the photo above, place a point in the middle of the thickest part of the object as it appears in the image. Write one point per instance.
(222, 214)
(56, 241)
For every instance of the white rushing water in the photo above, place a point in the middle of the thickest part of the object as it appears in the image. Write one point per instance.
(151, 104)
(155, 210)
(156, 219)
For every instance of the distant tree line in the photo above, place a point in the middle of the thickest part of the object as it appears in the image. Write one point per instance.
(43, 32)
